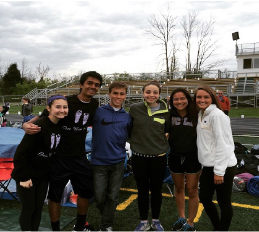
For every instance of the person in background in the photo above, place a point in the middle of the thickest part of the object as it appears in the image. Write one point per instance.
(32, 160)
(183, 157)
(216, 154)
(3, 110)
(111, 129)
(149, 146)
(27, 109)
(224, 102)
(70, 162)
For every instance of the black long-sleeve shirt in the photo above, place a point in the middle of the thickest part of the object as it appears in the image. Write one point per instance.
(33, 154)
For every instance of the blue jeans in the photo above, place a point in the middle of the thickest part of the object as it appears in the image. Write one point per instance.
(107, 181)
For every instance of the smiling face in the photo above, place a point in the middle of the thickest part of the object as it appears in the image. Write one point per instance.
(117, 97)
(203, 100)
(57, 110)
(89, 88)
(151, 95)
(180, 102)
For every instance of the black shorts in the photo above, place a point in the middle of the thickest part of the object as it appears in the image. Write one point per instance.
(78, 171)
(179, 164)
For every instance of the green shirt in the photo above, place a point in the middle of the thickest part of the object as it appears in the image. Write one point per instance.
(148, 132)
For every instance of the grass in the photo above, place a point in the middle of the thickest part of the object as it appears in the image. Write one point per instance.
(246, 211)
(36, 109)
(248, 112)
(246, 141)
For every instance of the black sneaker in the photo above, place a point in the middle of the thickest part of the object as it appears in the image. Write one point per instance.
(179, 224)
(87, 227)
(187, 227)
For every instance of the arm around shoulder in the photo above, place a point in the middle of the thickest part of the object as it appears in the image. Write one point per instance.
(30, 128)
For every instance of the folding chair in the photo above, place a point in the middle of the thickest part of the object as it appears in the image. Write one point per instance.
(6, 168)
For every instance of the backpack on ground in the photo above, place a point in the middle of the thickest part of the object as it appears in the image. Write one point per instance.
(240, 148)
(247, 163)
(255, 150)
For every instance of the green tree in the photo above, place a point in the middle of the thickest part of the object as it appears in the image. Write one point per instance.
(10, 79)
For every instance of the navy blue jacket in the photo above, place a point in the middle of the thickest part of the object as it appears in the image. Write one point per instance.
(111, 130)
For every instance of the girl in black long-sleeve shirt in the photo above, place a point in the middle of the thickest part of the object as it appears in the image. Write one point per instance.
(31, 163)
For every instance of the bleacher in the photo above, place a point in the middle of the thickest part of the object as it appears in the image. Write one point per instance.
(245, 85)
(135, 87)
(230, 86)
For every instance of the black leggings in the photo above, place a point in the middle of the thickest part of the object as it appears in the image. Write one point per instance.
(149, 173)
(32, 201)
(224, 192)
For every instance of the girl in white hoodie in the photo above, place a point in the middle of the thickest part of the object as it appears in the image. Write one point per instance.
(216, 154)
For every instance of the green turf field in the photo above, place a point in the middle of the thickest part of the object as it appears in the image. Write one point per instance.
(246, 211)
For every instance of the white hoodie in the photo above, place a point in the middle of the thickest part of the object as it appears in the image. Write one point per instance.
(215, 141)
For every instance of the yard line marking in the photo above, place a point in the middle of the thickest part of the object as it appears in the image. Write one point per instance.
(246, 206)
(187, 198)
(135, 191)
(199, 213)
(243, 205)
(126, 203)
(129, 190)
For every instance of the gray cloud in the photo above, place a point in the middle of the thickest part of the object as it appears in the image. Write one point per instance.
(65, 35)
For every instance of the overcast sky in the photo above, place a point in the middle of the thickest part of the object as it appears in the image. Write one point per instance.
(109, 36)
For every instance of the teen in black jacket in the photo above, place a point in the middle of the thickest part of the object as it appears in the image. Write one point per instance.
(31, 163)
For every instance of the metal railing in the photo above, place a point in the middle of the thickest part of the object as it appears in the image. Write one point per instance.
(247, 48)
(43, 93)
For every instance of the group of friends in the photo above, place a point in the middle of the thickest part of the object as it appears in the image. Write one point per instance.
(193, 138)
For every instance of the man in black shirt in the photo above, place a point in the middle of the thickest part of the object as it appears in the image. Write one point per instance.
(71, 162)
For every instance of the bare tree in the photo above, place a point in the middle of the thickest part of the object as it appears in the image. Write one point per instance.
(161, 28)
(24, 68)
(174, 64)
(189, 23)
(206, 45)
(42, 71)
